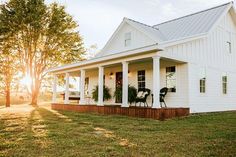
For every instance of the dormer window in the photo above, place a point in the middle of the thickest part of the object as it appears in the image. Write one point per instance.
(127, 39)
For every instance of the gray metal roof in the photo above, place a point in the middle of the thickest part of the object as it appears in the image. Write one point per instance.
(187, 26)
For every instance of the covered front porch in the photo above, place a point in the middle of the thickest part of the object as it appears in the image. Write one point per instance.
(150, 72)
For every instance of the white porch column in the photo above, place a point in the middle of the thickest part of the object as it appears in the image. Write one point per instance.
(54, 89)
(66, 101)
(82, 83)
(100, 85)
(156, 82)
(125, 84)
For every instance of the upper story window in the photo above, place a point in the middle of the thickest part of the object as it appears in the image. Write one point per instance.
(203, 81)
(224, 83)
(228, 42)
(141, 79)
(127, 39)
(171, 79)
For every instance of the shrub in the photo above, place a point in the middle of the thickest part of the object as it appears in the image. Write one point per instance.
(106, 93)
(132, 93)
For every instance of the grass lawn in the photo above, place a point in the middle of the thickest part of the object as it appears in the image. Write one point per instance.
(27, 131)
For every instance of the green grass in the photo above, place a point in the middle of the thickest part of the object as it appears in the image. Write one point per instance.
(42, 132)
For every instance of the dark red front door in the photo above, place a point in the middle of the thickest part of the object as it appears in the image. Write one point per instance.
(119, 87)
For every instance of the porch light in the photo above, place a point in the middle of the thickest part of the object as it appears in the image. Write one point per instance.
(111, 75)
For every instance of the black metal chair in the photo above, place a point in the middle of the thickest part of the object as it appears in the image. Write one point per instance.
(143, 99)
(163, 93)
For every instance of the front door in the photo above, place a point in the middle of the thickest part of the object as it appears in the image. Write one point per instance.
(119, 87)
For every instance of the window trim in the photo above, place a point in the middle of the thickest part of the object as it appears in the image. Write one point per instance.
(171, 89)
(128, 39)
(86, 85)
(142, 81)
(224, 81)
(202, 85)
(202, 80)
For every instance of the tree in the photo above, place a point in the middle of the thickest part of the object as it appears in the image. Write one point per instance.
(91, 51)
(8, 68)
(45, 36)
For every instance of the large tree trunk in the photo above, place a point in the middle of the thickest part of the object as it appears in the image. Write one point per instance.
(35, 92)
(8, 89)
(8, 98)
(34, 99)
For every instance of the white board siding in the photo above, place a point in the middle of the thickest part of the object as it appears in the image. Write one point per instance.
(210, 53)
(117, 44)
(178, 99)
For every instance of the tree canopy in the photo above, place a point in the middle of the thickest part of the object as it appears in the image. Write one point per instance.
(44, 36)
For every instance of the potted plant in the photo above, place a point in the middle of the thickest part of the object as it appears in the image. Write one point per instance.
(106, 93)
(132, 93)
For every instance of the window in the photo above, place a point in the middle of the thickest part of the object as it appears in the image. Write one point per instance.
(203, 85)
(127, 39)
(224, 83)
(86, 83)
(202, 81)
(86, 86)
(141, 79)
(171, 79)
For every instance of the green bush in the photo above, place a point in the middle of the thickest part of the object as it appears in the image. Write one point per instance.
(132, 94)
(106, 93)
(118, 93)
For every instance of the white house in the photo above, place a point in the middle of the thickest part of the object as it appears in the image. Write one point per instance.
(194, 56)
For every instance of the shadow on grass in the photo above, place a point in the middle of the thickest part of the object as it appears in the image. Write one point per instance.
(45, 132)
(82, 134)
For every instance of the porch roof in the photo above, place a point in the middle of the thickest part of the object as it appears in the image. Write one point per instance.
(142, 50)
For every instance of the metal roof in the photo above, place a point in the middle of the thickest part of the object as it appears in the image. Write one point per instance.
(187, 26)
(184, 27)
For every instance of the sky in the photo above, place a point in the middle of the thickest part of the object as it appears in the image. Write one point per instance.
(98, 19)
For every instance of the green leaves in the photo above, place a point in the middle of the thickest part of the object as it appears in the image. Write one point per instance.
(43, 36)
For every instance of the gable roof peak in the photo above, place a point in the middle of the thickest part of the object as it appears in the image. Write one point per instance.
(140, 23)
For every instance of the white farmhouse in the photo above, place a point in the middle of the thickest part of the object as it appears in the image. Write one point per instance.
(193, 56)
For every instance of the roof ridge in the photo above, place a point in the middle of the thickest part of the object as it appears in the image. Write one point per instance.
(154, 26)
(142, 23)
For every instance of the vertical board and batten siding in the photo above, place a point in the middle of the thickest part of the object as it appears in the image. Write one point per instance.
(211, 54)
(178, 99)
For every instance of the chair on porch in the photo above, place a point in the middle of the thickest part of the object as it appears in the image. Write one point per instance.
(163, 93)
(142, 95)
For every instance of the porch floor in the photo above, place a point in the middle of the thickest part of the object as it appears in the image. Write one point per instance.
(141, 112)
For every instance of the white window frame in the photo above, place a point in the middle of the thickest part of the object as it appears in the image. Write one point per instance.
(224, 80)
(175, 79)
(202, 81)
(141, 81)
(127, 39)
